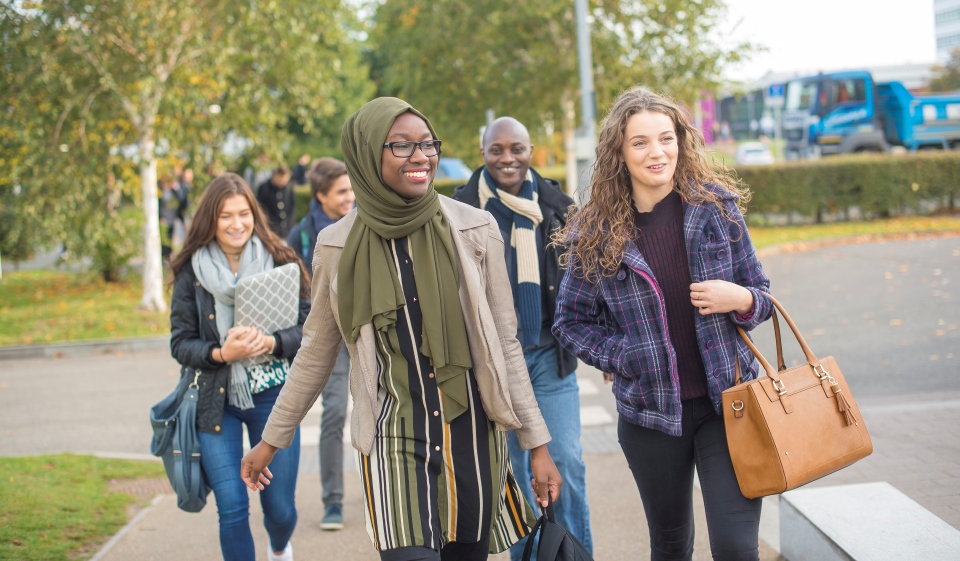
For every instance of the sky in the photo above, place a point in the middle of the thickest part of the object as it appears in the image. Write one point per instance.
(814, 35)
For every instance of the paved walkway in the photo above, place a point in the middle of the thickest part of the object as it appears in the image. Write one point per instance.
(885, 310)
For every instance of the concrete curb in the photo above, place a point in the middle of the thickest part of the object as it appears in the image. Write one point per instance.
(126, 528)
(80, 348)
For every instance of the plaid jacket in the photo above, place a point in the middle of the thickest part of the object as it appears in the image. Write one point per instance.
(619, 325)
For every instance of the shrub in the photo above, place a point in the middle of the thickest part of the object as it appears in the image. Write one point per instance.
(878, 185)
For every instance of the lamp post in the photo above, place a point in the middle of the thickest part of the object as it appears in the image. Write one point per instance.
(586, 134)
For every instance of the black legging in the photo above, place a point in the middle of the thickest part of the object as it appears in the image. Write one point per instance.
(663, 465)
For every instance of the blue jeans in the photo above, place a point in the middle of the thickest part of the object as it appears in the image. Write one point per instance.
(559, 400)
(221, 463)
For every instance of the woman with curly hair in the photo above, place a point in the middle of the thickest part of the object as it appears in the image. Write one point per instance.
(660, 273)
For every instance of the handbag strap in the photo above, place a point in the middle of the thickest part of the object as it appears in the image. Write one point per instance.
(808, 353)
(781, 365)
(189, 478)
(547, 515)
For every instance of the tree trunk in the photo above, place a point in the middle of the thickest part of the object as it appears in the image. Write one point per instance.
(569, 109)
(152, 265)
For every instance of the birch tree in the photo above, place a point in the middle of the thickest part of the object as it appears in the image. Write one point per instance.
(184, 72)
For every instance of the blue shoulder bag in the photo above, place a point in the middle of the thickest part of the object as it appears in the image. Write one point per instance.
(174, 421)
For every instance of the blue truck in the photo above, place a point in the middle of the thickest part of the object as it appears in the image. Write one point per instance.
(845, 112)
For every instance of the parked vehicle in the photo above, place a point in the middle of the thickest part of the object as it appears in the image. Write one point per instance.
(846, 112)
(753, 154)
(453, 168)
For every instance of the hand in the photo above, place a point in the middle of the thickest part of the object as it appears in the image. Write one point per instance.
(607, 377)
(268, 342)
(241, 342)
(720, 297)
(546, 477)
(253, 467)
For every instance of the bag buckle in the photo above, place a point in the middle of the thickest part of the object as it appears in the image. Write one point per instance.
(196, 380)
(779, 386)
(822, 374)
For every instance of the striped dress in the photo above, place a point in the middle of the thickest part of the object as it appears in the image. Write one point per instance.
(426, 482)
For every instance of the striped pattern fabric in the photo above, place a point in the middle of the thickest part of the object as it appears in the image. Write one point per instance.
(523, 244)
(619, 324)
(428, 482)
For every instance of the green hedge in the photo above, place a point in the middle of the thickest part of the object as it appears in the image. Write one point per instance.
(302, 194)
(443, 186)
(879, 185)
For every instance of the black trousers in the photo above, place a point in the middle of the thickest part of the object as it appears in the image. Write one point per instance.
(663, 466)
(453, 551)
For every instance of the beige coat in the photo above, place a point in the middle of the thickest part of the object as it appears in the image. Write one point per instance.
(491, 322)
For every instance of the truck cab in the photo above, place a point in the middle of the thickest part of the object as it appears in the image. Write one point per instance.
(847, 112)
(832, 114)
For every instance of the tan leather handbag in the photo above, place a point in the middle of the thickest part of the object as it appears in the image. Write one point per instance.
(793, 425)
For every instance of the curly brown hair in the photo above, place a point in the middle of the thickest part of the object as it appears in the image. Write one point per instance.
(597, 232)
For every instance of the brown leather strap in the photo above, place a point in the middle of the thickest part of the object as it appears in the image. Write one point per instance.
(781, 366)
(811, 358)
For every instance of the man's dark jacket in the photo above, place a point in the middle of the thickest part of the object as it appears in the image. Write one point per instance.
(194, 334)
(278, 204)
(553, 204)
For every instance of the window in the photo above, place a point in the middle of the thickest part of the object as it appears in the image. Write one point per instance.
(948, 16)
(800, 95)
(948, 41)
(846, 91)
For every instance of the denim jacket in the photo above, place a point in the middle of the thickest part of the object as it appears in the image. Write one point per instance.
(618, 324)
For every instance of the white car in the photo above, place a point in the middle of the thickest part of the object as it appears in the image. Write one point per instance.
(753, 154)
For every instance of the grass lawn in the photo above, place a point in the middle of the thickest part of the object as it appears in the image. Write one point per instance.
(59, 507)
(45, 306)
(765, 236)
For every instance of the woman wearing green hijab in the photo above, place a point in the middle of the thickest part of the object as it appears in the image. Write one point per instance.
(416, 285)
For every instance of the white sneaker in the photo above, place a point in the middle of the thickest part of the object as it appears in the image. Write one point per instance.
(287, 554)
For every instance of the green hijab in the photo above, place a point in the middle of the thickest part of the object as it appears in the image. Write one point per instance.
(368, 286)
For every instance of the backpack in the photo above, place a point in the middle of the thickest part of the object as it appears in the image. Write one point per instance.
(556, 543)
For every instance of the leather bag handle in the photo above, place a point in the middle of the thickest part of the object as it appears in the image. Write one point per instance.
(808, 353)
(781, 365)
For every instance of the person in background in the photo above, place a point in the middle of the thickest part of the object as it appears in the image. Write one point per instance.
(530, 210)
(416, 285)
(181, 190)
(660, 273)
(299, 172)
(229, 240)
(277, 200)
(332, 199)
(169, 211)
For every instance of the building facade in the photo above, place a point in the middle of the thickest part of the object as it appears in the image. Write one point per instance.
(946, 14)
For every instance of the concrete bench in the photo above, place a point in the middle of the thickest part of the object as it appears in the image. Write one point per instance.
(863, 522)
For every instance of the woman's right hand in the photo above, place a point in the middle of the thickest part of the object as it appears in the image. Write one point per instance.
(242, 342)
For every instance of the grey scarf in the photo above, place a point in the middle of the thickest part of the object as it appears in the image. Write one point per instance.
(212, 268)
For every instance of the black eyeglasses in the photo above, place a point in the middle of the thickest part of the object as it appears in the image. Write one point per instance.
(405, 149)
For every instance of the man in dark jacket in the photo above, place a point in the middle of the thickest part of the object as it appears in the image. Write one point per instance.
(276, 199)
(529, 209)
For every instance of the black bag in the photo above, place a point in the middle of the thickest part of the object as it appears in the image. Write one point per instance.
(174, 421)
(556, 543)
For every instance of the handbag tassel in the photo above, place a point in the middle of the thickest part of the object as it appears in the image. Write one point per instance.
(844, 406)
